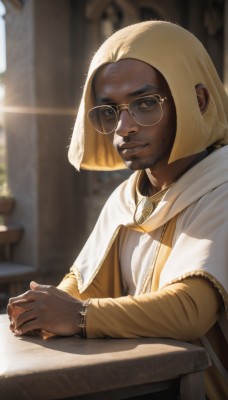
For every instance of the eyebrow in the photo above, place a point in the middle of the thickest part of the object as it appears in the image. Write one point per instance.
(144, 89)
(138, 92)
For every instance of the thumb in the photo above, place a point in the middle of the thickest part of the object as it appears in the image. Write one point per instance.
(33, 285)
(36, 286)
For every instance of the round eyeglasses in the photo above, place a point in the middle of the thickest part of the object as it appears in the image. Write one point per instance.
(146, 111)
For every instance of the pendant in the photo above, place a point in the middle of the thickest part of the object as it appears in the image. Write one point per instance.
(143, 210)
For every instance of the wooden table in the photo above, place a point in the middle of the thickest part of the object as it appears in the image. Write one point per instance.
(104, 369)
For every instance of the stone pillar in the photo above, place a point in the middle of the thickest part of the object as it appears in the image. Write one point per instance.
(225, 69)
(48, 192)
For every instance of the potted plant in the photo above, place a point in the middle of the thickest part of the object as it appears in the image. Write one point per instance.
(9, 233)
(6, 201)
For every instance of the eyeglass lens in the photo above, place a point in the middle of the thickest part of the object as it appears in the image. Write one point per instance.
(145, 111)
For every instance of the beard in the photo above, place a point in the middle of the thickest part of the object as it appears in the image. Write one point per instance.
(138, 164)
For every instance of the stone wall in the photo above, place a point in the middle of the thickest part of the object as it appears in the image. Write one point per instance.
(48, 192)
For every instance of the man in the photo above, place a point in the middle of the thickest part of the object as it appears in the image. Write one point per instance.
(155, 264)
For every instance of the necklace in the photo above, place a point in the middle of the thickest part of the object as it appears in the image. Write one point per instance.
(146, 205)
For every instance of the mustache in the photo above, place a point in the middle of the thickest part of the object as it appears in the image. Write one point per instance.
(129, 144)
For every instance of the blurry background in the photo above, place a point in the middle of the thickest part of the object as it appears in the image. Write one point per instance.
(45, 50)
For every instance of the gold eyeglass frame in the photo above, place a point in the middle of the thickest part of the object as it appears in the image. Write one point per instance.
(120, 107)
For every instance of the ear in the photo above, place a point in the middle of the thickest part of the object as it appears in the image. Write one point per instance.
(203, 97)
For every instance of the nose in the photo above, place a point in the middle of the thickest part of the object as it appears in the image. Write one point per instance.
(126, 124)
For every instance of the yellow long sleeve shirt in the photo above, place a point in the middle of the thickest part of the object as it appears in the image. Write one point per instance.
(186, 311)
(180, 311)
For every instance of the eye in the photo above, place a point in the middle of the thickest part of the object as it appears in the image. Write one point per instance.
(146, 102)
(107, 111)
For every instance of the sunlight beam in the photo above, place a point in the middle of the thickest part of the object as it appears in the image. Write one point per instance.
(37, 110)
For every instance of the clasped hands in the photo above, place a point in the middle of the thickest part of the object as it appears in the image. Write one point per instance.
(44, 308)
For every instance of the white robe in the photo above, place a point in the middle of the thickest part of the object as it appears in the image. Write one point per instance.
(200, 245)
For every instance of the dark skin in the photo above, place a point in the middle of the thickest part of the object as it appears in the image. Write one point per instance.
(144, 147)
(45, 308)
(50, 309)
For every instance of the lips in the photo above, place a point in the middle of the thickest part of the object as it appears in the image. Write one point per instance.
(130, 149)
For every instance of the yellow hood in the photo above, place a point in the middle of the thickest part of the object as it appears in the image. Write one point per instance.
(184, 62)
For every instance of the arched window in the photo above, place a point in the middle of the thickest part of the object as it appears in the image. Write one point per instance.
(111, 19)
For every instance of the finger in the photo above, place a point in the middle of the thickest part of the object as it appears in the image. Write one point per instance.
(25, 295)
(9, 310)
(28, 327)
(10, 315)
(12, 326)
(12, 299)
(28, 297)
(24, 318)
(36, 287)
(33, 285)
(25, 304)
(41, 288)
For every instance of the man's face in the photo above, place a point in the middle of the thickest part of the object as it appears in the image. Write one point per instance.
(140, 147)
